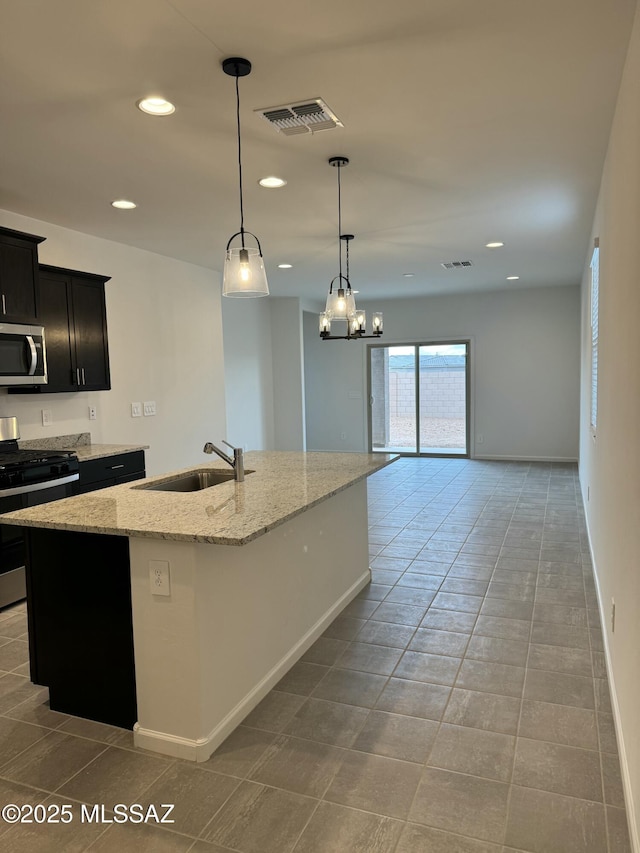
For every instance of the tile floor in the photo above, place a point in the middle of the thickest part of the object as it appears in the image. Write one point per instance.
(458, 705)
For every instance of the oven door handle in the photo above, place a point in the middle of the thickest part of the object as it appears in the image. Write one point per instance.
(38, 487)
(34, 355)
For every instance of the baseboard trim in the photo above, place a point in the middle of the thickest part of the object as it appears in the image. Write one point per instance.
(493, 457)
(632, 822)
(202, 748)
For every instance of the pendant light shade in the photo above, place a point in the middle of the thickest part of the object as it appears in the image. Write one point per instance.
(244, 274)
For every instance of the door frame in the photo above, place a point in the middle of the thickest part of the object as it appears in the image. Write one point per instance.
(468, 342)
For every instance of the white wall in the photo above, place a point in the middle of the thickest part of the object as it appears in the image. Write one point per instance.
(525, 370)
(610, 463)
(288, 374)
(165, 344)
(248, 373)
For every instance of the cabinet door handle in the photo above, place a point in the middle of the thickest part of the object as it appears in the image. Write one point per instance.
(113, 467)
(83, 379)
(77, 375)
(4, 305)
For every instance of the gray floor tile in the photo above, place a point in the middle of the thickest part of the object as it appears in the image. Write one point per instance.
(326, 650)
(612, 780)
(449, 620)
(402, 614)
(483, 711)
(462, 804)
(327, 722)
(424, 839)
(274, 712)
(130, 838)
(337, 828)
(420, 666)
(115, 776)
(416, 699)
(439, 642)
(297, 765)
(618, 830)
(561, 659)
(376, 784)
(386, 634)
(502, 627)
(457, 601)
(52, 760)
(490, 677)
(239, 752)
(559, 688)
(504, 607)
(558, 768)
(344, 628)
(368, 657)
(15, 737)
(559, 724)
(550, 823)
(259, 819)
(397, 736)
(473, 751)
(302, 678)
(351, 687)
(497, 650)
(196, 794)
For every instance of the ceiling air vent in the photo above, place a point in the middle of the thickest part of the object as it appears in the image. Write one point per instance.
(456, 265)
(308, 116)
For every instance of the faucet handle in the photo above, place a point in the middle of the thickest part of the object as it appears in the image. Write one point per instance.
(231, 445)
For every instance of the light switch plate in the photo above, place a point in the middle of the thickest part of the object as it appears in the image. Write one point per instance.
(136, 410)
(149, 408)
(47, 417)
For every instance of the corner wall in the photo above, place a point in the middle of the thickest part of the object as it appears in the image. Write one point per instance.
(165, 344)
(610, 462)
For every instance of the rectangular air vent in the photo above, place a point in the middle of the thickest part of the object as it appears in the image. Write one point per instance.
(456, 265)
(308, 116)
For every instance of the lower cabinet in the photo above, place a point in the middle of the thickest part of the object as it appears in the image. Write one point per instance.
(110, 471)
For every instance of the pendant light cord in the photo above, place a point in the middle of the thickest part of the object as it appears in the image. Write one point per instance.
(240, 159)
(339, 226)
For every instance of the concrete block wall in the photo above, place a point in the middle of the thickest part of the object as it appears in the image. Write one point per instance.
(442, 393)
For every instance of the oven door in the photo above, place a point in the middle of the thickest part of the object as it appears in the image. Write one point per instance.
(12, 539)
(23, 358)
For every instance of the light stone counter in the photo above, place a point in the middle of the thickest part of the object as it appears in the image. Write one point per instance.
(81, 444)
(282, 486)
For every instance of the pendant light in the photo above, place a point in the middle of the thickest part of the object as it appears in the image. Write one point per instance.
(244, 273)
(341, 303)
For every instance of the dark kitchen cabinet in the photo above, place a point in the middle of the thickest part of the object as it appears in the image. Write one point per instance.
(73, 313)
(18, 276)
(110, 471)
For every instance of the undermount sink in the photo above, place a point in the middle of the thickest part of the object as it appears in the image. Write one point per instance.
(193, 482)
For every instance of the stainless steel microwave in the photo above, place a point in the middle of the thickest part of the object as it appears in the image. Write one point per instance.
(23, 358)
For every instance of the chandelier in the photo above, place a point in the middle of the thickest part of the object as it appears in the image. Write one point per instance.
(341, 302)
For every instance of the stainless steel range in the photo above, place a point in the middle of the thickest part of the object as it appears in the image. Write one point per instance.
(27, 478)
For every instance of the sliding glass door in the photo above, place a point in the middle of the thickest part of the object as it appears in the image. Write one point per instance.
(419, 398)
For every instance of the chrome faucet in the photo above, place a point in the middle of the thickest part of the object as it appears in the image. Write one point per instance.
(237, 463)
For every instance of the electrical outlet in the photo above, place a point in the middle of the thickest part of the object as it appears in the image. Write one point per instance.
(149, 408)
(343, 436)
(47, 417)
(479, 438)
(136, 410)
(613, 616)
(159, 578)
(93, 413)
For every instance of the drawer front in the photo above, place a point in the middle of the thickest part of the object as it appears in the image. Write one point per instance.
(110, 468)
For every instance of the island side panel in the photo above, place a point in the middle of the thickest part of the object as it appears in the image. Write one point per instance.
(237, 619)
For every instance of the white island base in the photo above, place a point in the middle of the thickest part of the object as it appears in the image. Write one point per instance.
(237, 618)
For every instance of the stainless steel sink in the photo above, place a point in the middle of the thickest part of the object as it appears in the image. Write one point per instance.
(194, 481)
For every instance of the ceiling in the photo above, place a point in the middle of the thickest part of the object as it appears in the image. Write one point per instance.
(464, 122)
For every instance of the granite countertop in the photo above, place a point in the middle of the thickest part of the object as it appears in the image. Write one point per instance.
(81, 444)
(281, 486)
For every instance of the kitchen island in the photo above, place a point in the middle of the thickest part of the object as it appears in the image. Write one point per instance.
(185, 609)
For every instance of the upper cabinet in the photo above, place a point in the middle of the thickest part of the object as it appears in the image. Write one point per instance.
(73, 313)
(18, 276)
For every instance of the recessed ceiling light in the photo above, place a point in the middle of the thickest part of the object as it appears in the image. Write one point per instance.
(355, 291)
(285, 266)
(123, 204)
(408, 274)
(272, 182)
(495, 245)
(155, 106)
(513, 277)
